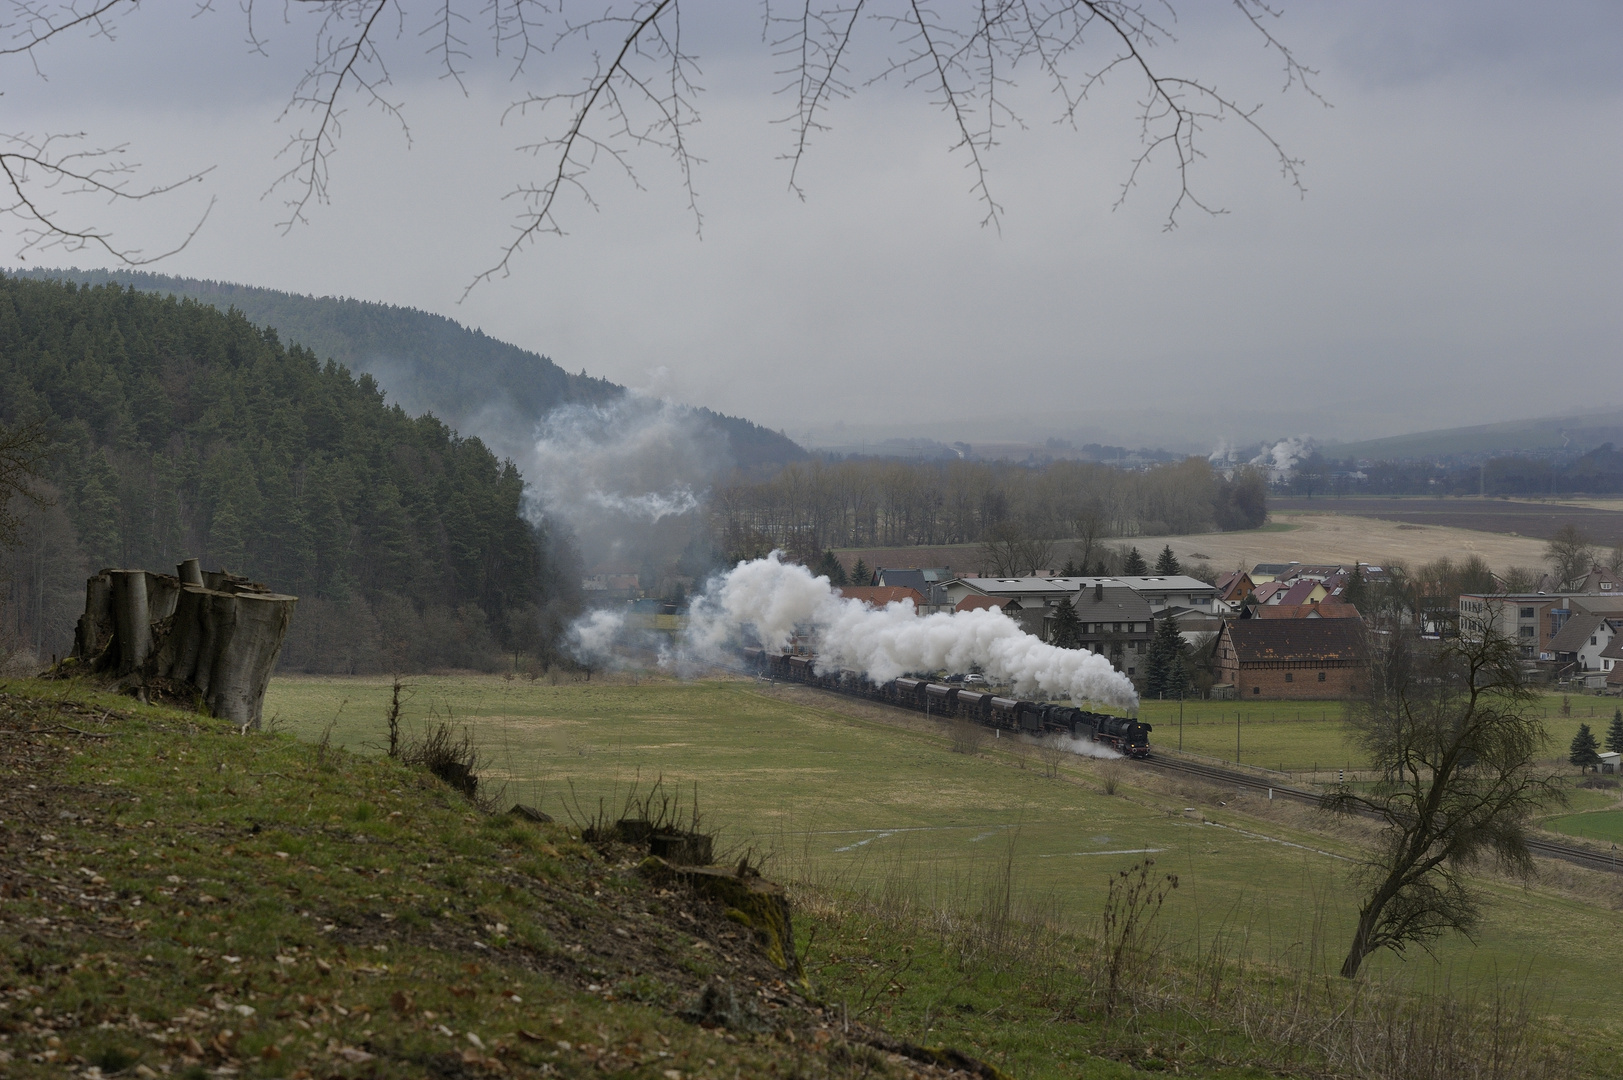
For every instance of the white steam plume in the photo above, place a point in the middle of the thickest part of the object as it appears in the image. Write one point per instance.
(1079, 747)
(1282, 457)
(774, 601)
(633, 460)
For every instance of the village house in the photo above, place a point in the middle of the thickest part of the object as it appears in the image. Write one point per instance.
(1233, 587)
(1298, 659)
(1117, 621)
(1583, 641)
(1532, 619)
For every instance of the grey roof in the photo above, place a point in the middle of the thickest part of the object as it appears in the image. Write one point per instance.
(1575, 633)
(1018, 586)
(1606, 603)
(1168, 583)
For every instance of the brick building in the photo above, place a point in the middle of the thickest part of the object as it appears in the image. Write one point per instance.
(1293, 658)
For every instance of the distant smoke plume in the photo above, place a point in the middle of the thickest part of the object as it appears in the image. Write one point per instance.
(773, 602)
(1280, 459)
(623, 476)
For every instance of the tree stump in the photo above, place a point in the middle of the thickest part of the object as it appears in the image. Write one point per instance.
(205, 638)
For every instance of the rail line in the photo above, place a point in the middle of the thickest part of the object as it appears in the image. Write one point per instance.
(1549, 849)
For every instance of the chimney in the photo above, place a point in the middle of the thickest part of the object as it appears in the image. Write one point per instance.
(1098, 592)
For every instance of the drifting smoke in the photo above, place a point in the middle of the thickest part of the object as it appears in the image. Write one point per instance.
(650, 507)
(624, 478)
(637, 458)
(773, 602)
(1079, 747)
(1281, 458)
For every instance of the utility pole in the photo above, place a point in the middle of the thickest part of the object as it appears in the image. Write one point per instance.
(1236, 736)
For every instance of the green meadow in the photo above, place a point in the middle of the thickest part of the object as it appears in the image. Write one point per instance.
(867, 799)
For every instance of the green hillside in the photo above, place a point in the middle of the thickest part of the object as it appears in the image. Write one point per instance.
(427, 363)
(175, 429)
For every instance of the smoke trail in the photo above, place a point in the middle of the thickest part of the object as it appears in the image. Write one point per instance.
(773, 601)
(1079, 747)
(648, 507)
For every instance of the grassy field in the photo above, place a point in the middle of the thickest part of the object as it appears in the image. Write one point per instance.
(846, 799)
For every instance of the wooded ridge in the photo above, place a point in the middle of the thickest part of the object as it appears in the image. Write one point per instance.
(177, 429)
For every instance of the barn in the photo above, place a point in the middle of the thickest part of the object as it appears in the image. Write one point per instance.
(1293, 659)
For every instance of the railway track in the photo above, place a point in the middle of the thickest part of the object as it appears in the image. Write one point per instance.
(1549, 849)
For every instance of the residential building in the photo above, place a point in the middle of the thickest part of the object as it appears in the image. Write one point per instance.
(1265, 572)
(1583, 640)
(1116, 620)
(1303, 591)
(1298, 659)
(1233, 587)
(1533, 619)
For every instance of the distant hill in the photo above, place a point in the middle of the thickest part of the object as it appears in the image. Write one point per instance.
(1574, 434)
(425, 362)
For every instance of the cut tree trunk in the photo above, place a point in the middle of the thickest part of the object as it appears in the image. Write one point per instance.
(210, 639)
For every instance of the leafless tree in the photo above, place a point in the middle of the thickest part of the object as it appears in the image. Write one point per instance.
(1570, 553)
(636, 90)
(22, 453)
(1452, 730)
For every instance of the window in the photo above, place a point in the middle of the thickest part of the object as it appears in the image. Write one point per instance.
(1527, 613)
(1115, 628)
(1592, 641)
(1321, 676)
(1525, 631)
(1256, 689)
(1132, 671)
(1289, 677)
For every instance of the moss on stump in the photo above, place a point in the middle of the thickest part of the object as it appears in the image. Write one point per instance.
(750, 901)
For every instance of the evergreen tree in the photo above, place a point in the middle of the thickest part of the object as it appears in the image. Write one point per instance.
(1614, 734)
(860, 574)
(1356, 591)
(1167, 564)
(1164, 672)
(1585, 750)
(1134, 565)
(1070, 569)
(1067, 631)
(829, 566)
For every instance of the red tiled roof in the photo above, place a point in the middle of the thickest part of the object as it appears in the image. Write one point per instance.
(975, 602)
(880, 595)
(1299, 592)
(1325, 609)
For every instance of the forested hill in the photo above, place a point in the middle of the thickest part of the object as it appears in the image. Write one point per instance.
(425, 362)
(177, 429)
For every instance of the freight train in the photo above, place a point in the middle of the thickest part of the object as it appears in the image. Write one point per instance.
(1123, 734)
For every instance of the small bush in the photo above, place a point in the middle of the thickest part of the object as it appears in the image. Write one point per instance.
(1599, 783)
(449, 755)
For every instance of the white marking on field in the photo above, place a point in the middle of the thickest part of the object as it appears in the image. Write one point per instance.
(1277, 840)
(1125, 851)
(871, 839)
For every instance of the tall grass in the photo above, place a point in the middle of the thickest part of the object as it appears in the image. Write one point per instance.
(1118, 972)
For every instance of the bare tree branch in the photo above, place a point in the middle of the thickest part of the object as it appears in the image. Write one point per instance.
(966, 55)
(31, 166)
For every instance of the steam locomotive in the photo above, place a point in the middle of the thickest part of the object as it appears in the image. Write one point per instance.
(1122, 734)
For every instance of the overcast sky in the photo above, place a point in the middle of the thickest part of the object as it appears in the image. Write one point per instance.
(1456, 258)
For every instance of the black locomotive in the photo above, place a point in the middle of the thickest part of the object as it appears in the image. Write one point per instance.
(1123, 734)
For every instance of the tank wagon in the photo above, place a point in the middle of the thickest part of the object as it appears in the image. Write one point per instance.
(1123, 734)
